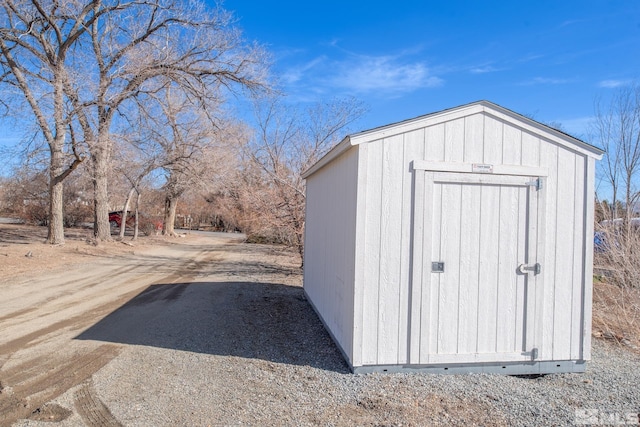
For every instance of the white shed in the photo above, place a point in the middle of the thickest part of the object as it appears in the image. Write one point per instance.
(459, 241)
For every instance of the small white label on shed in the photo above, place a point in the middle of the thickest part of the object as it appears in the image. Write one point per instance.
(481, 168)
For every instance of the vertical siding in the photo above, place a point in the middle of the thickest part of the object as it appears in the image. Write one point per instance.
(330, 237)
(431, 285)
(488, 272)
(391, 244)
(530, 150)
(530, 156)
(454, 141)
(387, 239)
(474, 138)
(359, 286)
(578, 266)
(564, 264)
(563, 280)
(512, 149)
(493, 141)
(469, 263)
(413, 149)
(441, 142)
(512, 154)
(424, 330)
(434, 142)
(370, 286)
(549, 158)
(522, 294)
(511, 218)
(449, 296)
(390, 310)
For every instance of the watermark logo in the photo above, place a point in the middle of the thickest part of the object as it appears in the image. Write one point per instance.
(596, 417)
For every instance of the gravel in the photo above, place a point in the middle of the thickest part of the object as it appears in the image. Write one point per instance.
(241, 346)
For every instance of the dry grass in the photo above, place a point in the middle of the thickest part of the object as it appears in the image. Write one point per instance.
(616, 313)
(616, 293)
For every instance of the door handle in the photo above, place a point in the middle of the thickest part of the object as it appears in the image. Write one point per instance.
(529, 268)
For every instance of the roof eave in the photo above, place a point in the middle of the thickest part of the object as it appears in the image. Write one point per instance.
(476, 107)
(340, 148)
(431, 119)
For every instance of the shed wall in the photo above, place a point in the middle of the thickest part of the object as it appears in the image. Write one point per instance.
(386, 233)
(329, 252)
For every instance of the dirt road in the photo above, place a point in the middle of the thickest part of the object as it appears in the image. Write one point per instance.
(58, 329)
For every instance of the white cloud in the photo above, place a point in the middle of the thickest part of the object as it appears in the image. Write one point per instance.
(483, 69)
(530, 57)
(295, 74)
(612, 84)
(386, 75)
(383, 73)
(546, 81)
(572, 22)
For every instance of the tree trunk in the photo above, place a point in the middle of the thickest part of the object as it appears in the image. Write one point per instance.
(101, 229)
(137, 222)
(298, 228)
(170, 204)
(125, 213)
(55, 234)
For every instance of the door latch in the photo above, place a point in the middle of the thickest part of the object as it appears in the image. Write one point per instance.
(437, 267)
(529, 268)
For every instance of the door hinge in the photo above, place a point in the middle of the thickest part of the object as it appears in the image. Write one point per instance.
(536, 183)
(530, 268)
(534, 353)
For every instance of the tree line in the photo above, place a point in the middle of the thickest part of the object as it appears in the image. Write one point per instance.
(616, 128)
(130, 95)
(124, 103)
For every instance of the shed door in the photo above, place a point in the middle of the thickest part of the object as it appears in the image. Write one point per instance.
(474, 268)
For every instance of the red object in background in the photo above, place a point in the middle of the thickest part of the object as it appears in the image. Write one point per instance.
(115, 219)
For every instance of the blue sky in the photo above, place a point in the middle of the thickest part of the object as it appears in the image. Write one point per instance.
(546, 59)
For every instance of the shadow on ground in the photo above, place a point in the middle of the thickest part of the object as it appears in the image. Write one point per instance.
(264, 321)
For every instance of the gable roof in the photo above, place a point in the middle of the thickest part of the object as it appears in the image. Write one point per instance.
(486, 107)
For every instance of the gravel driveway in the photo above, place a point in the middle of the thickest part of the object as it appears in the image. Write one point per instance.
(221, 334)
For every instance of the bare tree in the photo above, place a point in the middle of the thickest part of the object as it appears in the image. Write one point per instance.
(287, 142)
(617, 129)
(36, 39)
(190, 142)
(138, 48)
(26, 195)
(79, 64)
(134, 160)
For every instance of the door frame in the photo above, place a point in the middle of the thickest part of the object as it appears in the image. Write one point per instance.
(422, 194)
